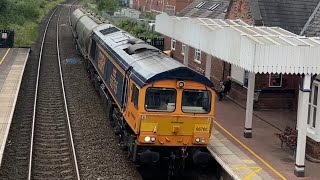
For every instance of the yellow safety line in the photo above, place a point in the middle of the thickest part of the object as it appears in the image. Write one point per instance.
(246, 167)
(4, 56)
(249, 176)
(251, 151)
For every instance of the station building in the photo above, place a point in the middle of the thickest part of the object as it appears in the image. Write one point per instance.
(271, 90)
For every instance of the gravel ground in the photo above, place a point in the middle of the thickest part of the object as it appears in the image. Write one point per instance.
(99, 155)
(16, 155)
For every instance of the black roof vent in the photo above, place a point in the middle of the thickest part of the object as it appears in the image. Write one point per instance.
(136, 48)
(135, 41)
(109, 30)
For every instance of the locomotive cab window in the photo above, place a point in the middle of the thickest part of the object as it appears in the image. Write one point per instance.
(161, 99)
(196, 101)
(135, 96)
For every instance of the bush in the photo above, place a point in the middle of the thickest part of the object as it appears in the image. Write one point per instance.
(137, 28)
(22, 17)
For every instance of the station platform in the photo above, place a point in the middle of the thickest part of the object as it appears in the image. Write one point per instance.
(12, 65)
(235, 162)
(259, 157)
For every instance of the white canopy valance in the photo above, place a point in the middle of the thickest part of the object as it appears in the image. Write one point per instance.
(258, 49)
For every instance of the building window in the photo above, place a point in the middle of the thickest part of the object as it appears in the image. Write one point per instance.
(183, 46)
(313, 105)
(173, 44)
(170, 10)
(135, 96)
(275, 80)
(197, 56)
(246, 79)
(313, 111)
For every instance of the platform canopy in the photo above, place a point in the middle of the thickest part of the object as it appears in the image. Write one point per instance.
(258, 49)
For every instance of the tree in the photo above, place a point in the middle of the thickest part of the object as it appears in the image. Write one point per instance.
(110, 6)
(4, 13)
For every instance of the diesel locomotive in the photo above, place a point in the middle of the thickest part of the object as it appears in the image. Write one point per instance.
(159, 108)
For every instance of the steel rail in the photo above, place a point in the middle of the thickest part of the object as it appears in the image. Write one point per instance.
(36, 93)
(64, 96)
(65, 99)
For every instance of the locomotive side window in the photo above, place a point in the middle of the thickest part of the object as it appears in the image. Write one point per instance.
(196, 101)
(134, 96)
(161, 99)
(93, 49)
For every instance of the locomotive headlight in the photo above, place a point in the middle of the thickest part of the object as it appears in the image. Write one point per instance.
(153, 139)
(197, 140)
(147, 139)
(202, 140)
(180, 84)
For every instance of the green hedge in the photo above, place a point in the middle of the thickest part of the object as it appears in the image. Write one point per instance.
(137, 28)
(23, 16)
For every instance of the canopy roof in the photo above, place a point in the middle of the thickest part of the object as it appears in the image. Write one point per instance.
(258, 49)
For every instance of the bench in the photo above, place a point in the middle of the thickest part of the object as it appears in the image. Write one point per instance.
(288, 136)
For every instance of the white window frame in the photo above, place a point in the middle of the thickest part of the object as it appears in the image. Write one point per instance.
(195, 56)
(314, 131)
(173, 44)
(270, 80)
(183, 46)
(170, 10)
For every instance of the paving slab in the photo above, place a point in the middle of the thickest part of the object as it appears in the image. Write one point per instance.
(233, 160)
(264, 147)
(12, 65)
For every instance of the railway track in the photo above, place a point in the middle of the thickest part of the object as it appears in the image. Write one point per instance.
(99, 156)
(52, 153)
(98, 153)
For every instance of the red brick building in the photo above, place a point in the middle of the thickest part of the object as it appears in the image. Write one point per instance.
(276, 91)
(170, 6)
(273, 91)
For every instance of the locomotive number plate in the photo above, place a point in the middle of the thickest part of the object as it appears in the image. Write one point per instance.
(201, 128)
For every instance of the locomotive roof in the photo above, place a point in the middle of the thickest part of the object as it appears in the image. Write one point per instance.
(146, 62)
